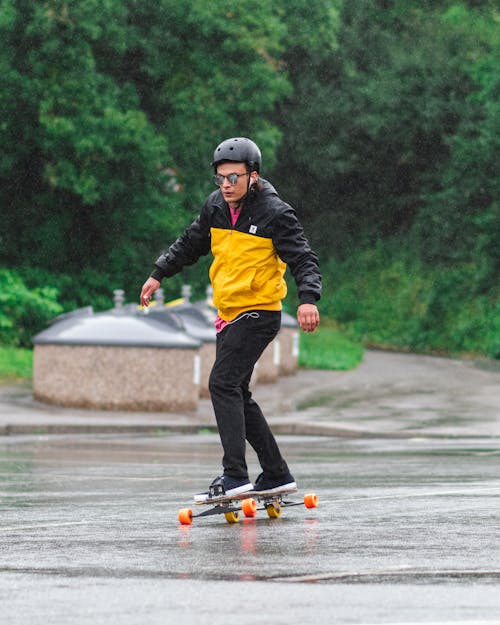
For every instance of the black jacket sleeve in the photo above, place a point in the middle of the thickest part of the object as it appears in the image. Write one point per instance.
(293, 248)
(193, 243)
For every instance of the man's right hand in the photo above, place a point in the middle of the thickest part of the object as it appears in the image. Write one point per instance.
(148, 289)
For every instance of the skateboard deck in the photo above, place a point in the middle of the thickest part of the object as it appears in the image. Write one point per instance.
(248, 503)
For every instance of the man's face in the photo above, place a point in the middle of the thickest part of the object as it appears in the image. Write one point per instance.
(233, 193)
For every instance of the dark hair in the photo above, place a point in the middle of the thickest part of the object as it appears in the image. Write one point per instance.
(257, 186)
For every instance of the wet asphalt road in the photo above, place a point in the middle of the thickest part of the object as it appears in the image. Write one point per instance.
(407, 531)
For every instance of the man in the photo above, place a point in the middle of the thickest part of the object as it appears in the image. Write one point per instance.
(253, 235)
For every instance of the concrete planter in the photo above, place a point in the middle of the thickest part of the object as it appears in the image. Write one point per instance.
(116, 361)
(193, 320)
(289, 343)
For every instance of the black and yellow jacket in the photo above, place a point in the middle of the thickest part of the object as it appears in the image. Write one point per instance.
(250, 258)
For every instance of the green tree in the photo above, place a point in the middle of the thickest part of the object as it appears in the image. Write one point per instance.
(110, 112)
(381, 107)
(461, 217)
(86, 170)
(206, 71)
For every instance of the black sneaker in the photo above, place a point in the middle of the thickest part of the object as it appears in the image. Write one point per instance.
(270, 484)
(225, 486)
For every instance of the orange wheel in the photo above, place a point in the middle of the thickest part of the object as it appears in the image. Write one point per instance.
(186, 516)
(249, 507)
(311, 500)
(273, 510)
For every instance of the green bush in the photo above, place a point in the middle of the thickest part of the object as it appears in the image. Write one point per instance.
(24, 311)
(460, 318)
(90, 288)
(377, 299)
(15, 363)
(327, 348)
(383, 298)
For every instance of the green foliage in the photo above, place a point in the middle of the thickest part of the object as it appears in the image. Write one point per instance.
(82, 175)
(15, 363)
(378, 121)
(109, 115)
(387, 299)
(91, 288)
(460, 220)
(327, 348)
(392, 133)
(205, 71)
(368, 126)
(382, 305)
(23, 312)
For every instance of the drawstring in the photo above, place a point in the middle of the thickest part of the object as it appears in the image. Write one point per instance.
(253, 315)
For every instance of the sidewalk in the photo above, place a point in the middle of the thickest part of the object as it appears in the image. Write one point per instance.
(389, 395)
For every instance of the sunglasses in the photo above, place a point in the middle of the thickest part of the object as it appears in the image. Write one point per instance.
(231, 178)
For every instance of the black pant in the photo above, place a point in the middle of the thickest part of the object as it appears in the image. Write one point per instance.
(239, 346)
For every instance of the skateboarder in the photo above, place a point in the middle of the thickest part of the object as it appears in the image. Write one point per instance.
(253, 235)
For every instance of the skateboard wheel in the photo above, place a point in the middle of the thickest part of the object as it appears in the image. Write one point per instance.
(249, 507)
(232, 517)
(273, 510)
(311, 500)
(185, 516)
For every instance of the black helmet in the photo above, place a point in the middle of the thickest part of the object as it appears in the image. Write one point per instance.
(239, 150)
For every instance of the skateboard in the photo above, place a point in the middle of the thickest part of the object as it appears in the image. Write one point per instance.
(248, 503)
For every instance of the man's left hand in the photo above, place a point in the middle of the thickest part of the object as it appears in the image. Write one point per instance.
(308, 317)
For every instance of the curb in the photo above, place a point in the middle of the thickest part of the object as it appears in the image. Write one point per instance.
(41, 429)
(163, 429)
